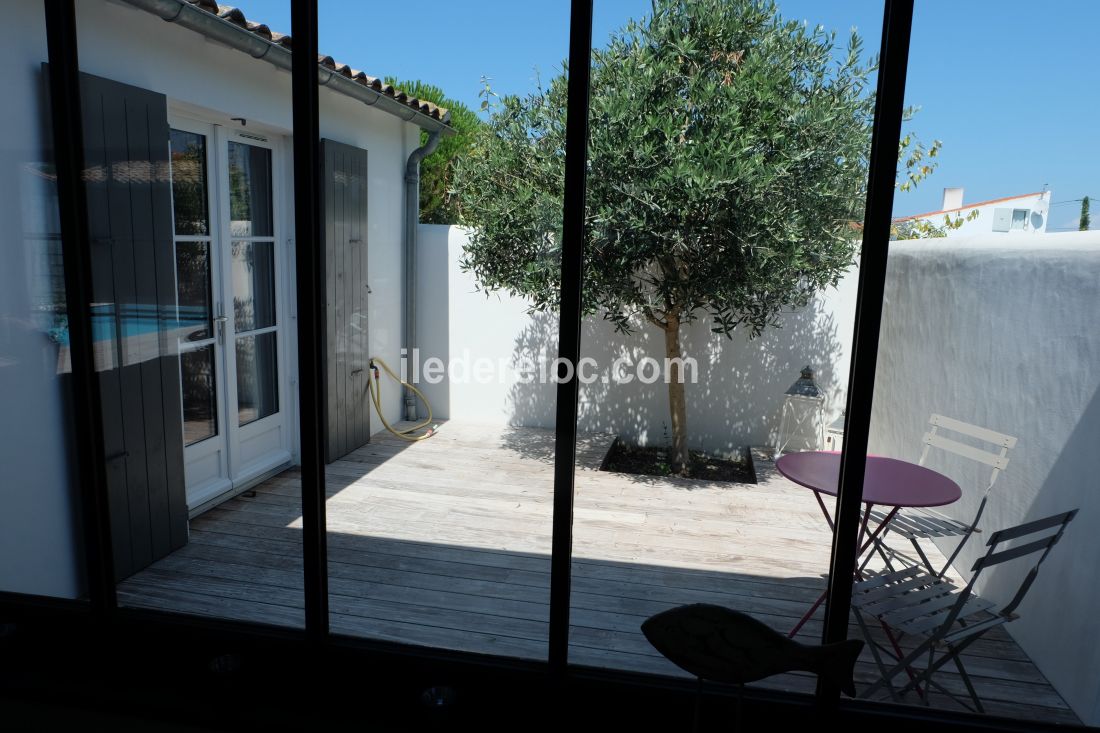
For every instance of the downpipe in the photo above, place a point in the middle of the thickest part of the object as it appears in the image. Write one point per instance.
(412, 223)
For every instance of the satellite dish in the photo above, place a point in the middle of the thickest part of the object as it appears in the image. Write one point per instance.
(1041, 207)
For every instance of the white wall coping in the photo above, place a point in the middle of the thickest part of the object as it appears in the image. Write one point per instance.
(1038, 244)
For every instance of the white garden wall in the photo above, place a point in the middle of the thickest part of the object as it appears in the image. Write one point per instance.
(736, 400)
(1003, 333)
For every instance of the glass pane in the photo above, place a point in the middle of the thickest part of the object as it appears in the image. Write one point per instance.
(722, 259)
(257, 377)
(987, 370)
(200, 405)
(40, 542)
(186, 550)
(249, 191)
(455, 550)
(253, 285)
(189, 195)
(193, 283)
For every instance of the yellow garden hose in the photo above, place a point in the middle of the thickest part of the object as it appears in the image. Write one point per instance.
(376, 397)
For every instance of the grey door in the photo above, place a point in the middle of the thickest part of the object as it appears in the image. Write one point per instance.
(347, 406)
(134, 316)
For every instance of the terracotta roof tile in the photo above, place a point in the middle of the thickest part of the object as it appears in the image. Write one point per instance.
(260, 30)
(237, 17)
(233, 15)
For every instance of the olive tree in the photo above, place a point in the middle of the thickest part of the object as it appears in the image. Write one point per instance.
(727, 163)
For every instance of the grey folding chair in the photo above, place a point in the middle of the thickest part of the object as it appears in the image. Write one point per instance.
(920, 523)
(916, 602)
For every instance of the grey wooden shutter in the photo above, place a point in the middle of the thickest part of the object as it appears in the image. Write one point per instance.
(134, 287)
(347, 402)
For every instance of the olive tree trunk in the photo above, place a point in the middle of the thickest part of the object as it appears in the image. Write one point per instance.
(678, 456)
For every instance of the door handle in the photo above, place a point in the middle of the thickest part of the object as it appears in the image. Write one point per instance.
(221, 321)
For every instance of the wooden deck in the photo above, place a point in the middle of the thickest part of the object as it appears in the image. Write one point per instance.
(446, 543)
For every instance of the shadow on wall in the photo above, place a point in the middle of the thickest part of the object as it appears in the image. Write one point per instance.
(737, 397)
(1074, 669)
(1003, 336)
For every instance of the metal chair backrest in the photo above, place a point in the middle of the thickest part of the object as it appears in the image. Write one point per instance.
(997, 458)
(1051, 528)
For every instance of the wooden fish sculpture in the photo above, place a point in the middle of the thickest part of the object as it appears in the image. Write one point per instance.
(723, 645)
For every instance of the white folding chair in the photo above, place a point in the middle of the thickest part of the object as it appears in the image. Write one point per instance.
(920, 523)
(914, 601)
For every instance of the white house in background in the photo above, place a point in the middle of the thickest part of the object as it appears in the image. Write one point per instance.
(187, 135)
(1026, 213)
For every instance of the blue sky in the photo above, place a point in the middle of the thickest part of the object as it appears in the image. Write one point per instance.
(1007, 85)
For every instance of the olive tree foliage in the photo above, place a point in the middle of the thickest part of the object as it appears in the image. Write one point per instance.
(727, 163)
(438, 203)
(916, 163)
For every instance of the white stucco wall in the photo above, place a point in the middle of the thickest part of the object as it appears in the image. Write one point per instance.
(38, 540)
(1003, 333)
(736, 401)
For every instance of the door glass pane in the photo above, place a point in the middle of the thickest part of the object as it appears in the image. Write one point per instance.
(249, 191)
(257, 377)
(200, 406)
(193, 283)
(189, 197)
(253, 285)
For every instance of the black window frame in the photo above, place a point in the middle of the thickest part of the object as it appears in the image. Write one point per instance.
(101, 606)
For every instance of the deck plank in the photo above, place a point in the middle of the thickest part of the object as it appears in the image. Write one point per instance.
(446, 543)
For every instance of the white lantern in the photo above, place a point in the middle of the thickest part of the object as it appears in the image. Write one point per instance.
(803, 415)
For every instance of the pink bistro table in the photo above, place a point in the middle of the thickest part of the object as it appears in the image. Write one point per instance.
(887, 482)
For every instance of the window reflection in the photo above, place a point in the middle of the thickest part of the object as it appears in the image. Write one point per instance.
(189, 199)
(257, 377)
(249, 191)
(200, 406)
(195, 298)
(253, 285)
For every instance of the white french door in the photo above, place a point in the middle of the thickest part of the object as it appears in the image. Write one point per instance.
(231, 309)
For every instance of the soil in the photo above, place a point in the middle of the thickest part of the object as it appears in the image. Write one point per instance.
(653, 461)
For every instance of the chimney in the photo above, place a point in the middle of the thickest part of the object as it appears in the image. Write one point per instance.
(952, 199)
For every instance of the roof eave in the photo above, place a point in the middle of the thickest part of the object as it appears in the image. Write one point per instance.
(225, 31)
